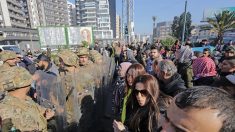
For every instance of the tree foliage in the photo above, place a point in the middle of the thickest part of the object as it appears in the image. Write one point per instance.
(222, 22)
(85, 44)
(178, 24)
(168, 41)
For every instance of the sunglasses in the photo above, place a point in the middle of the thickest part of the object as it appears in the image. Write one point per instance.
(142, 92)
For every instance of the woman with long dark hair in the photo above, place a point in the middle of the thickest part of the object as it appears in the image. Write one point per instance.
(132, 72)
(145, 114)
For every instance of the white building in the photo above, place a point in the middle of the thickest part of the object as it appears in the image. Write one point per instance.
(71, 14)
(12, 15)
(104, 23)
(32, 13)
(163, 30)
(86, 13)
(52, 12)
(95, 13)
(118, 27)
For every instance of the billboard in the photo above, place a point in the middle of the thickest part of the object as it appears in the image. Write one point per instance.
(78, 34)
(54, 36)
(50, 36)
(210, 13)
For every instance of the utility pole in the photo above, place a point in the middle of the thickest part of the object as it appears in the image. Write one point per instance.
(185, 14)
(154, 27)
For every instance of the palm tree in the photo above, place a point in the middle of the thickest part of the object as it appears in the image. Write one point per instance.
(222, 22)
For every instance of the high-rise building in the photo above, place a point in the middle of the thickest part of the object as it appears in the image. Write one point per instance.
(1, 17)
(118, 27)
(112, 12)
(71, 14)
(12, 14)
(87, 13)
(96, 13)
(163, 30)
(52, 12)
(31, 11)
(104, 22)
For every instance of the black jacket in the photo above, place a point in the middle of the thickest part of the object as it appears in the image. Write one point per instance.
(175, 86)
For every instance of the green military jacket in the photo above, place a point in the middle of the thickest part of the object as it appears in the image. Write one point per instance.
(26, 115)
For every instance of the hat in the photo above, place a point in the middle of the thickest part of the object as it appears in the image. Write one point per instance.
(14, 78)
(7, 55)
(68, 57)
(42, 57)
(82, 51)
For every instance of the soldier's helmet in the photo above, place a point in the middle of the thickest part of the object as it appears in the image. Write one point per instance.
(7, 55)
(82, 51)
(14, 78)
(95, 55)
(68, 57)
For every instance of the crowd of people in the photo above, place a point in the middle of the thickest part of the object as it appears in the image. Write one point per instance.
(152, 87)
(174, 88)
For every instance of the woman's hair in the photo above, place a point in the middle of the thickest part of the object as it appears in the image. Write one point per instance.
(177, 41)
(138, 69)
(150, 111)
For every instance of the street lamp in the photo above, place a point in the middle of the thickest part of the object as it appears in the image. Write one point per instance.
(185, 14)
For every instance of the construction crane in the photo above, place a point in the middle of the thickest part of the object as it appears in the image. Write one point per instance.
(128, 21)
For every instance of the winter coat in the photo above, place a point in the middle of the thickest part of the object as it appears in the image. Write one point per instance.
(118, 97)
(175, 86)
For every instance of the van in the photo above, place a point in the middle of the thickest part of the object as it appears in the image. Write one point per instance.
(14, 48)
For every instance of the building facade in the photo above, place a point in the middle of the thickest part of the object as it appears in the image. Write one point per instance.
(163, 30)
(86, 12)
(96, 14)
(52, 12)
(118, 27)
(31, 11)
(71, 14)
(104, 22)
(112, 12)
(12, 14)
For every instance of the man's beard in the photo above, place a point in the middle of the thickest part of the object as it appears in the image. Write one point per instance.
(41, 67)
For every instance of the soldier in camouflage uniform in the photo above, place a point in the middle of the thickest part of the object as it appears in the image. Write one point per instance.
(24, 113)
(68, 61)
(86, 79)
(96, 57)
(68, 69)
(83, 54)
(9, 59)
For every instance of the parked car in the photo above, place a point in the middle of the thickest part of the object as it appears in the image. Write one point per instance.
(14, 48)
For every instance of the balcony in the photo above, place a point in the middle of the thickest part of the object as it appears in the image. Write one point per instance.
(17, 24)
(14, 2)
(17, 17)
(10, 7)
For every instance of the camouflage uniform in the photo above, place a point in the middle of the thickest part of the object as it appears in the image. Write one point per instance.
(84, 51)
(6, 55)
(86, 80)
(95, 56)
(26, 115)
(70, 59)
